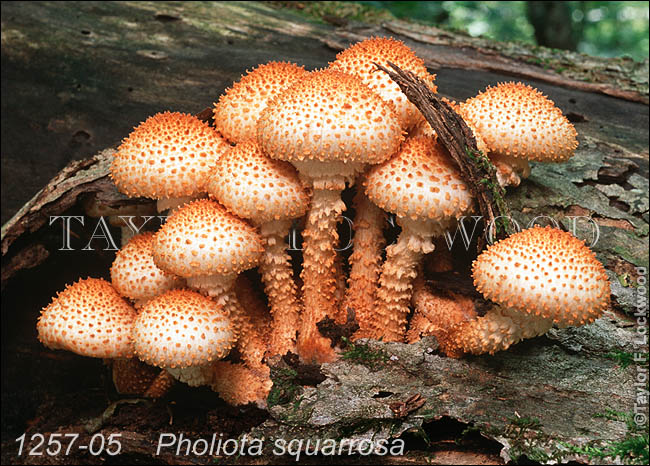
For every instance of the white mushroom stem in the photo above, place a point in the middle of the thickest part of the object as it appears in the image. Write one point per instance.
(397, 275)
(174, 203)
(496, 331)
(280, 286)
(510, 170)
(365, 261)
(319, 273)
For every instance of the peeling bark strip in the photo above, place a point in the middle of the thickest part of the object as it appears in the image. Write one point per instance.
(458, 139)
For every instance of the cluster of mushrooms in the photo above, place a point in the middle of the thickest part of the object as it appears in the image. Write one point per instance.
(285, 143)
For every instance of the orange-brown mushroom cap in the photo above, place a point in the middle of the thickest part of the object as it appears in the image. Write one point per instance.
(237, 112)
(182, 328)
(88, 318)
(517, 120)
(329, 116)
(420, 182)
(134, 273)
(256, 187)
(359, 60)
(170, 155)
(545, 272)
(203, 238)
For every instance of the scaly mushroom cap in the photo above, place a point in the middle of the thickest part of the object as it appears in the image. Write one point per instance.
(519, 121)
(134, 273)
(420, 182)
(545, 272)
(182, 328)
(256, 187)
(88, 318)
(237, 112)
(203, 238)
(169, 155)
(358, 60)
(329, 116)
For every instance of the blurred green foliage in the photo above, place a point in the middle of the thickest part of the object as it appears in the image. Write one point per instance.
(609, 29)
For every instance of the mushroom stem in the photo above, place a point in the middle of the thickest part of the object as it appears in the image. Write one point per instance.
(435, 313)
(251, 342)
(133, 377)
(496, 331)
(365, 262)
(160, 385)
(319, 273)
(215, 286)
(510, 170)
(280, 286)
(397, 275)
(239, 385)
(194, 376)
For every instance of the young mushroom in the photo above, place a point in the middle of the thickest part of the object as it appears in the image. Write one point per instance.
(168, 157)
(91, 319)
(537, 278)
(209, 247)
(519, 124)
(422, 187)
(88, 318)
(183, 332)
(360, 59)
(329, 125)
(239, 108)
(135, 275)
(268, 193)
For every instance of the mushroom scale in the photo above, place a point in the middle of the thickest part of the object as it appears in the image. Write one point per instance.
(270, 194)
(329, 125)
(518, 123)
(237, 112)
(359, 60)
(88, 318)
(202, 239)
(547, 272)
(170, 155)
(183, 329)
(423, 188)
(135, 275)
(537, 278)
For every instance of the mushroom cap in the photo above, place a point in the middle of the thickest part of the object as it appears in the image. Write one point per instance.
(88, 318)
(134, 273)
(182, 328)
(545, 272)
(420, 182)
(237, 112)
(169, 155)
(203, 238)
(256, 187)
(329, 116)
(358, 60)
(517, 120)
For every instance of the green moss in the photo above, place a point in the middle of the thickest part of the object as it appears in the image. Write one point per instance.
(284, 387)
(363, 354)
(625, 359)
(633, 449)
(328, 12)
